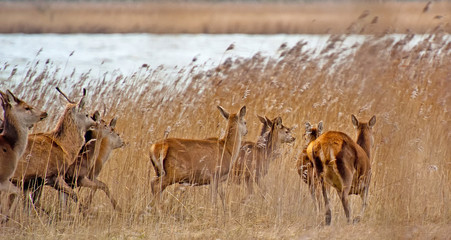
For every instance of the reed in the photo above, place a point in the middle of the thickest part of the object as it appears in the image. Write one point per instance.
(407, 89)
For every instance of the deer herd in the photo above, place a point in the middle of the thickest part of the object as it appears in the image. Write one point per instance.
(73, 153)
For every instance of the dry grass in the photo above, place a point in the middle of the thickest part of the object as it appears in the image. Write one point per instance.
(408, 90)
(224, 17)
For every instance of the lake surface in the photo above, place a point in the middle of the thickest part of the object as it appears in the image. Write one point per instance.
(126, 53)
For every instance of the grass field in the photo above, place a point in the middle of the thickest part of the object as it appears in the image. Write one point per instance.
(407, 88)
(364, 17)
(408, 91)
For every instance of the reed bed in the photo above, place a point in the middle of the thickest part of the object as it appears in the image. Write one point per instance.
(406, 87)
(312, 17)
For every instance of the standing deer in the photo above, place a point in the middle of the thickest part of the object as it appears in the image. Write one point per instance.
(99, 143)
(18, 118)
(49, 155)
(344, 164)
(305, 166)
(198, 162)
(253, 161)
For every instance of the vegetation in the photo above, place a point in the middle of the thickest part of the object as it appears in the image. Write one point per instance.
(311, 17)
(405, 83)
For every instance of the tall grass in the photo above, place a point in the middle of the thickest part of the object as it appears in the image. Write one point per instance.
(407, 88)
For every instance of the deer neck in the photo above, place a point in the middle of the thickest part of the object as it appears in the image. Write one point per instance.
(68, 135)
(96, 149)
(364, 141)
(263, 139)
(233, 142)
(105, 150)
(14, 133)
(273, 144)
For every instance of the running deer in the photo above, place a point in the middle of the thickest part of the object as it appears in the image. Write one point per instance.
(305, 166)
(344, 164)
(18, 118)
(198, 162)
(253, 161)
(49, 155)
(99, 143)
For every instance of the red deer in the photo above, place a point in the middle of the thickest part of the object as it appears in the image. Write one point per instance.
(344, 164)
(18, 118)
(49, 155)
(304, 166)
(253, 161)
(100, 142)
(197, 162)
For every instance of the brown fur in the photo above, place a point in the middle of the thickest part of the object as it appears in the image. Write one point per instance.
(197, 162)
(84, 171)
(49, 155)
(304, 166)
(18, 118)
(253, 161)
(343, 164)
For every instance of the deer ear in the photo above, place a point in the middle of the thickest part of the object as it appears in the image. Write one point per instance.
(355, 122)
(320, 126)
(96, 116)
(372, 121)
(278, 122)
(223, 112)
(242, 111)
(268, 121)
(308, 126)
(113, 122)
(3, 98)
(262, 119)
(11, 95)
(82, 102)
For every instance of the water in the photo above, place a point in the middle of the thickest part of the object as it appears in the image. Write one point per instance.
(126, 53)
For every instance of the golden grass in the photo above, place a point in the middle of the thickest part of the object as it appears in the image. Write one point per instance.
(223, 17)
(408, 91)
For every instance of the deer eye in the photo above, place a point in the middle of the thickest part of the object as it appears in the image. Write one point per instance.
(28, 108)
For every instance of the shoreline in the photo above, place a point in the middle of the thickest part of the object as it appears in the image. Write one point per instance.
(225, 18)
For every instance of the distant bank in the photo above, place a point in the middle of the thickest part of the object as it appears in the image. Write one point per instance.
(217, 18)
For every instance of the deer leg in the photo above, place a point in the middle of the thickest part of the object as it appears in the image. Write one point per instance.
(214, 188)
(63, 199)
(344, 200)
(313, 193)
(90, 197)
(97, 184)
(364, 196)
(326, 203)
(34, 196)
(8, 187)
(62, 186)
(250, 186)
(345, 176)
(157, 186)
